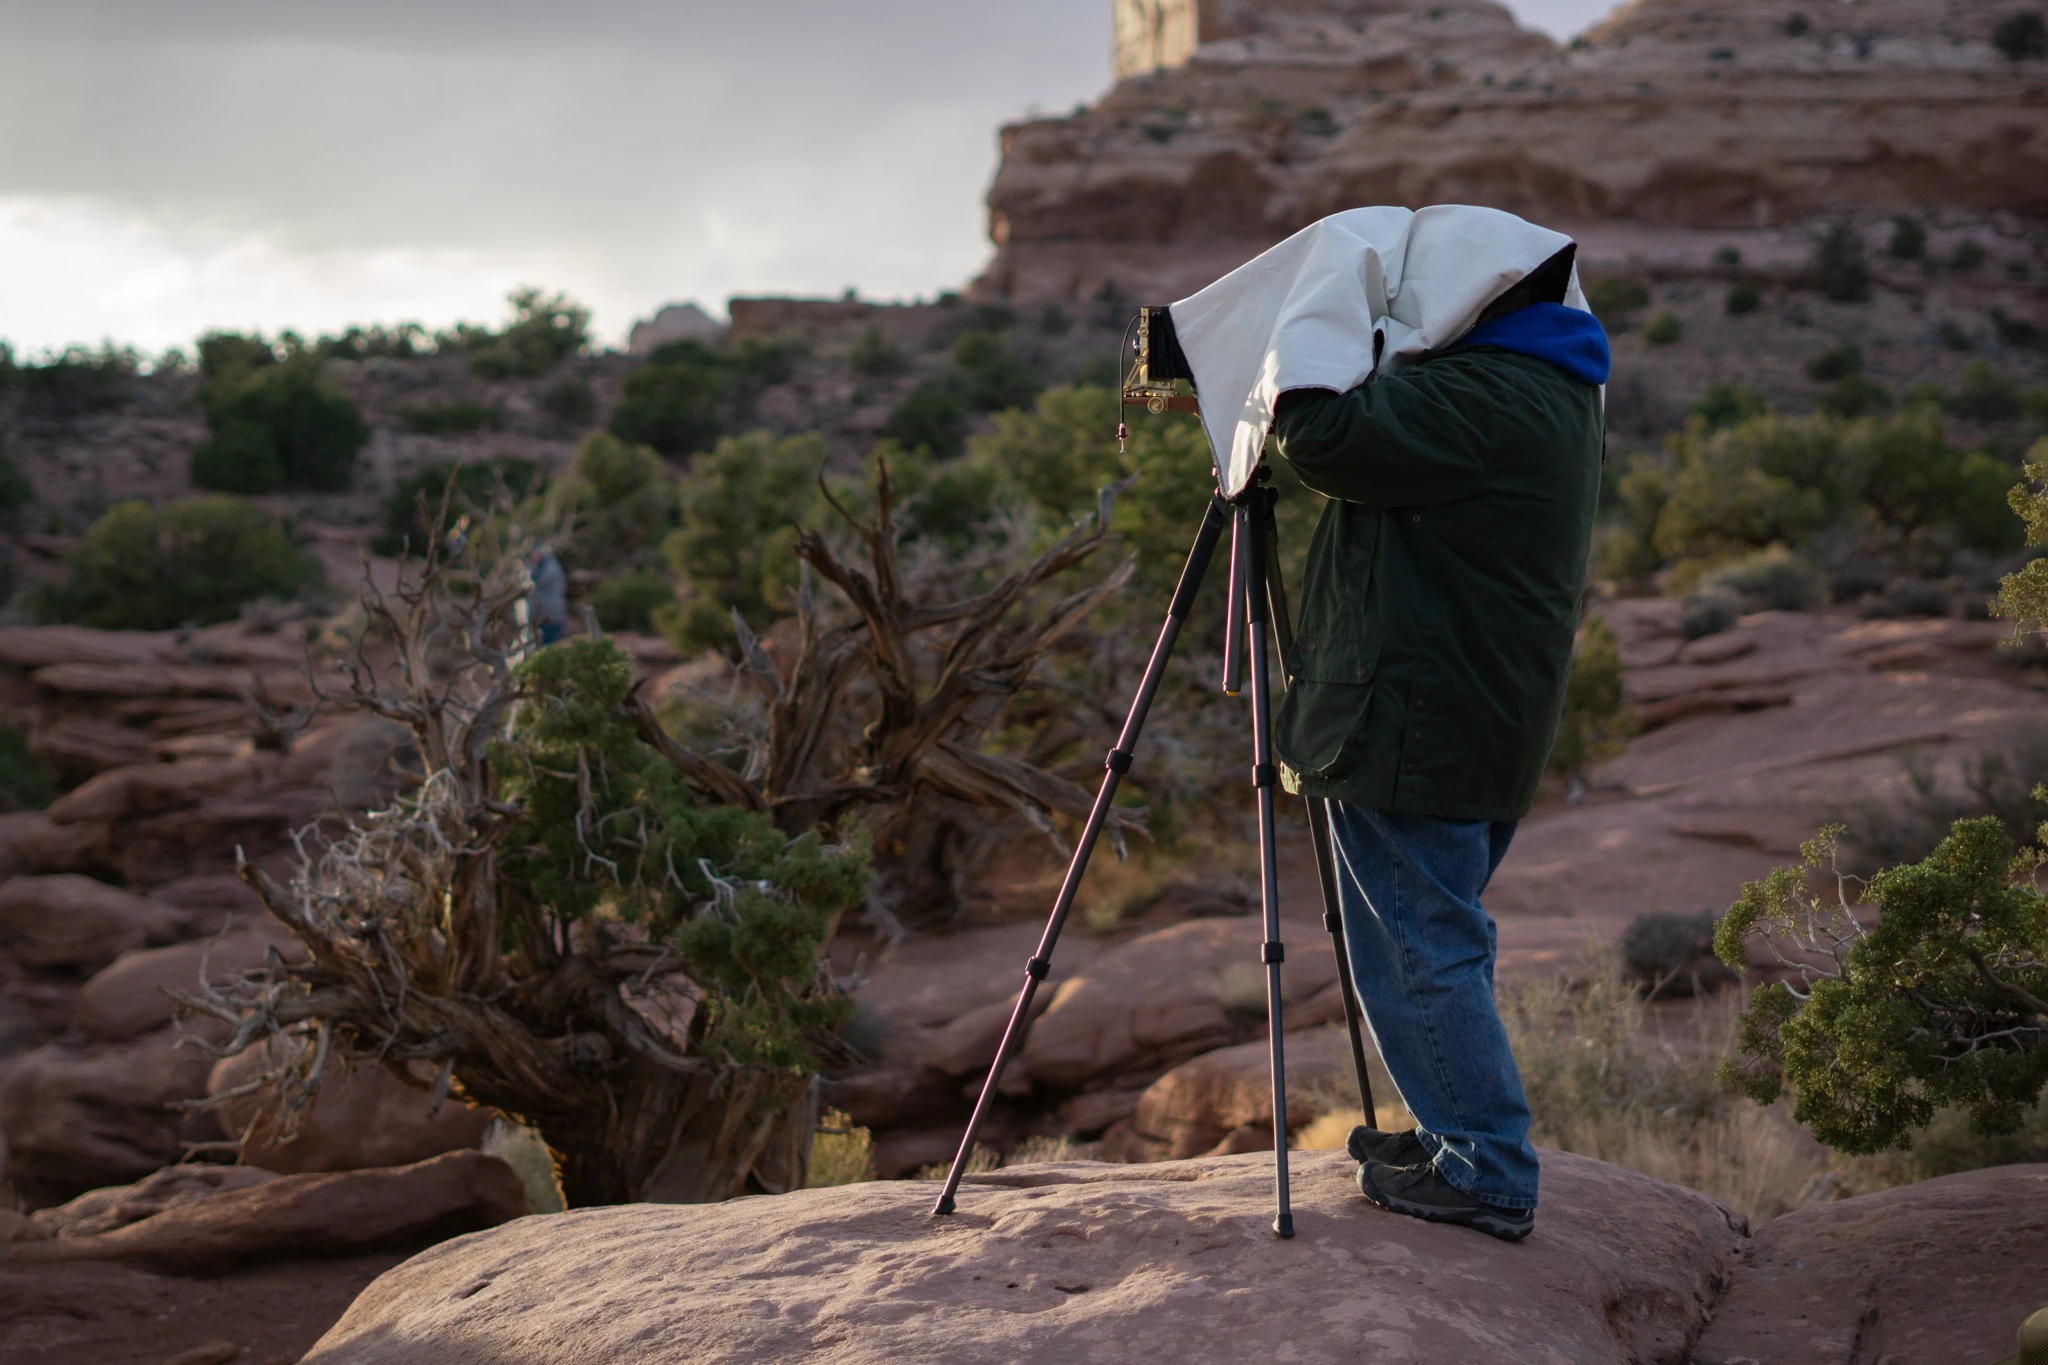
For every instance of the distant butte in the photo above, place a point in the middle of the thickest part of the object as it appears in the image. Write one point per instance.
(1656, 136)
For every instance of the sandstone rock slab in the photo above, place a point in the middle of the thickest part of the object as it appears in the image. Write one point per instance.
(77, 1115)
(73, 921)
(315, 1214)
(127, 998)
(1945, 1270)
(363, 1117)
(1069, 1262)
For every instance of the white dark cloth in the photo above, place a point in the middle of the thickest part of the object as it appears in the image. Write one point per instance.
(1305, 314)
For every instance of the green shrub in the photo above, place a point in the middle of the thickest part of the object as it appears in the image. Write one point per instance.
(25, 780)
(1596, 722)
(571, 401)
(402, 342)
(2002, 780)
(1727, 257)
(16, 490)
(1612, 299)
(617, 500)
(193, 562)
(933, 418)
(74, 382)
(874, 356)
(1985, 396)
(1708, 613)
(1954, 337)
(1743, 300)
(1727, 403)
(1909, 239)
(452, 417)
(1839, 269)
(277, 425)
(1663, 330)
(1839, 363)
(1969, 258)
(2021, 37)
(1771, 579)
(408, 530)
(991, 376)
(687, 394)
(1855, 395)
(1054, 321)
(736, 547)
(1924, 1008)
(1798, 26)
(630, 601)
(545, 328)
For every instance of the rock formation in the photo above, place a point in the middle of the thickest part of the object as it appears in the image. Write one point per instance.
(1067, 1262)
(1235, 123)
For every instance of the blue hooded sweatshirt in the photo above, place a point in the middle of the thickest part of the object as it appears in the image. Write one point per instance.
(1569, 338)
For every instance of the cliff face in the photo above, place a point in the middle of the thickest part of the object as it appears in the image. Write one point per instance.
(1235, 123)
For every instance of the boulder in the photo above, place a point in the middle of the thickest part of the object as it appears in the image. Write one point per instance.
(319, 1214)
(79, 1115)
(1945, 1270)
(129, 997)
(116, 1206)
(1067, 1262)
(1227, 1095)
(363, 1117)
(69, 921)
(1143, 1006)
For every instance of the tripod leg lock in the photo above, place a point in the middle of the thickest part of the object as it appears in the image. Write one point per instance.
(1264, 775)
(1037, 967)
(1273, 951)
(1119, 761)
(1332, 922)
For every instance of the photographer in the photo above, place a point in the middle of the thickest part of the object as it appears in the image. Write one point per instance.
(1443, 592)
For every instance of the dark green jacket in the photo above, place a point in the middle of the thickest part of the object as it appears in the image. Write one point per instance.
(1443, 584)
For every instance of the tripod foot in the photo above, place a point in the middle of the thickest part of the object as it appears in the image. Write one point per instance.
(1283, 1226)
(943, 1207)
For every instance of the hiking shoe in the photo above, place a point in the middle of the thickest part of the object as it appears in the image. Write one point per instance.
(1392, 1149)
(1420, 1192)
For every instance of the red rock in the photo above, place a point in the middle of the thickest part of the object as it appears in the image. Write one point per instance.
(968, 1044)
(77, 1116)
(1942, 1271)
(73, 921)
(1201, 1103)
(321, 1214)
(127, 998)
(362, 1118)
(1143, 1006)
(25, 648)
(19, 1227)
(1236, 124)
(215, 1352)
(1069, 1262)
(116, 1206)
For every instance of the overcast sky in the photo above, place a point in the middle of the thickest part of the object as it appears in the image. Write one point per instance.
(168, 166)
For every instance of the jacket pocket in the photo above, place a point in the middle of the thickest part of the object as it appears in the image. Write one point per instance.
(1319, 726)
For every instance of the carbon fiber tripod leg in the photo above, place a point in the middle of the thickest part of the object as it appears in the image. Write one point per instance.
(1116, 765)
(1251, 535)
(1318, 826)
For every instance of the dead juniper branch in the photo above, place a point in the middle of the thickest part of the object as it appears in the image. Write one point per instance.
(552, 918)
(886, 712)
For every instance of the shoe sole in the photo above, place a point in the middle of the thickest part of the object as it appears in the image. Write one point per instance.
(1481, 1220)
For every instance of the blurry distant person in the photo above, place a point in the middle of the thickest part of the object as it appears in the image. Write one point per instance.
(547, 601)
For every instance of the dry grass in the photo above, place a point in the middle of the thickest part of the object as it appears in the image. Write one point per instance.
(527, 1154)
(842, 1152)
(1604, 1082)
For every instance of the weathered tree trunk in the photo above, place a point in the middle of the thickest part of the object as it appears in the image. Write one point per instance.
(686, 1139)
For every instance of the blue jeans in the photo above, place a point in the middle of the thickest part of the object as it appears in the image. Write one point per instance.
(1422, 955)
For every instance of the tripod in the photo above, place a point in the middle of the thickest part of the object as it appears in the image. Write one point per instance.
(1257, 598)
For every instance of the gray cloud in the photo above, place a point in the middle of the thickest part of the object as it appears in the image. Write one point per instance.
(630, 150)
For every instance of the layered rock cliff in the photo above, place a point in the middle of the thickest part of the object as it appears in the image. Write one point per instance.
(1234, 124)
